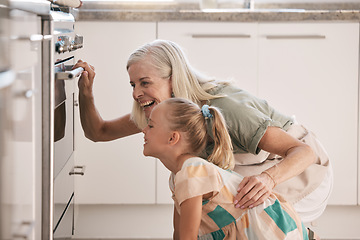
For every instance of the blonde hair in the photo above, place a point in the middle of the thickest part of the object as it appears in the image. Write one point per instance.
(170, 61)
(186, 116)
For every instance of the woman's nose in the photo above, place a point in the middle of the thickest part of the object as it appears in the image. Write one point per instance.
(137, 92)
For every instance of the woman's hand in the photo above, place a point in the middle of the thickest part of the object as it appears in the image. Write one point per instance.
(297, 156)
(253, 191)
(87, 77)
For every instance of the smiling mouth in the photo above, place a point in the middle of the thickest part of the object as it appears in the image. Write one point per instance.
(147, 104)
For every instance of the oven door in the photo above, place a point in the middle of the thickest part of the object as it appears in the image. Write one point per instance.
(64, 147)
(64, 112)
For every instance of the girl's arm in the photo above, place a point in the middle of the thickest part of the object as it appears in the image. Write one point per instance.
(176, 224)
(297, 156)
(190, 218)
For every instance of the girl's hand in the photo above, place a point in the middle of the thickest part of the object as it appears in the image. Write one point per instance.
(87, 77)
(253, 191)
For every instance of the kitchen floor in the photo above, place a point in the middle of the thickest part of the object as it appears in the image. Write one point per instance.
(161, 239)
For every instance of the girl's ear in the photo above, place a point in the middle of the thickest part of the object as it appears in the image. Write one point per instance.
(175, 137)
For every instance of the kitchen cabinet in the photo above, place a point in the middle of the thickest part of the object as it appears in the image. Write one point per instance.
(311, 70)
(22, 169)
(116, 172)
(223, 50)
(305, 69)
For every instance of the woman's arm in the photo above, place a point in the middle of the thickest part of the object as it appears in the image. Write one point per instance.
(190, 218)
(297, 156)
(95, 128)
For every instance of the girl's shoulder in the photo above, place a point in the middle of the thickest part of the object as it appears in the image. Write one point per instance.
(197, 166)
(195, 161)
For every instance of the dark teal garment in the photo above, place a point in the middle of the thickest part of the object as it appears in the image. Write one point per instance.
(247, 117)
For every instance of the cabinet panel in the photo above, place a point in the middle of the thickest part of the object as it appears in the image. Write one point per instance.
(222, 50)
(311, 70)
(117, 171)
(22, 168)
(163, 193)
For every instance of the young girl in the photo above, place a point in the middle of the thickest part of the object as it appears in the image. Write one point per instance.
(203, 190)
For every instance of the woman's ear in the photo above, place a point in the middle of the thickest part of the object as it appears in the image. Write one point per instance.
(174, 138)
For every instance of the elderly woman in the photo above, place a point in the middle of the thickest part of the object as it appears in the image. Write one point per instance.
(271, 149)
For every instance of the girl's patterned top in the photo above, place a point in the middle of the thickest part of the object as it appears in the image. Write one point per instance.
(274, 219)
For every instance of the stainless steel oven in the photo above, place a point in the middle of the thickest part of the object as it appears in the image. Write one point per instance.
(66, 43)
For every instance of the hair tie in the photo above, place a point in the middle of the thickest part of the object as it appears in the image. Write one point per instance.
(206, 112)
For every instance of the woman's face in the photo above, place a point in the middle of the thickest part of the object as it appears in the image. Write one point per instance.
(149, 88)
(157, 133)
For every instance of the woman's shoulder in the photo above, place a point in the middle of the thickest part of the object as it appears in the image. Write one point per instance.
(232, 94)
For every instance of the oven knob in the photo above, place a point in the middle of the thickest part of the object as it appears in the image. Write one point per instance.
(67, 43)
(59, 46)
(78, 41)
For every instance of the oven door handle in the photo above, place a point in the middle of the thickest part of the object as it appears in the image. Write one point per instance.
(69, 75)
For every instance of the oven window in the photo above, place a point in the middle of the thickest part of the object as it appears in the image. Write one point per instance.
(63, 119)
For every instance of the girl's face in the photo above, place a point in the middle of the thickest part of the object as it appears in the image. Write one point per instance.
(157, 133)
(149, 89)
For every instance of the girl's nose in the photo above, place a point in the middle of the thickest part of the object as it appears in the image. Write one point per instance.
(144, 130)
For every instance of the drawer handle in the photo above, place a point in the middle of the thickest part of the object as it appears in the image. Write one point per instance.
(78, 170)
(220, 36)
(25, 228)
(295, 37)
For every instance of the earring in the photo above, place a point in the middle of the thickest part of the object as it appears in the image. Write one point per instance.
(172, 95)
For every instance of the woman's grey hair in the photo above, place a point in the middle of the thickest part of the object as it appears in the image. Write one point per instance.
(170, 61)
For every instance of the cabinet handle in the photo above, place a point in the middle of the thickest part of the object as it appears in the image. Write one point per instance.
(81, 170)
(29, 93)
(7, 78)
(295, 37)
(26, 228)
(31, 38)
(220, 36)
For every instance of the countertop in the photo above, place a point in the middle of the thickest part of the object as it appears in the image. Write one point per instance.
(112, 11)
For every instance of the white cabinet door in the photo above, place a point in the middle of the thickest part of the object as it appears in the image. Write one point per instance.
(223, 50)
(311, 70)
(116, 172)
(23, 168)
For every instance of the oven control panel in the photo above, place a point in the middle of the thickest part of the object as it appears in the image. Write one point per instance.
(67, 44)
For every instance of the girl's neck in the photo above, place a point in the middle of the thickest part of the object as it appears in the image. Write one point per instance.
(175, 163)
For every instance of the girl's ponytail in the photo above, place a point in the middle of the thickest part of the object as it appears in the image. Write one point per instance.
(185, 116)
(222, 154)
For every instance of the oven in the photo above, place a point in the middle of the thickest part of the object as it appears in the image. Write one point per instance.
(66, 43)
